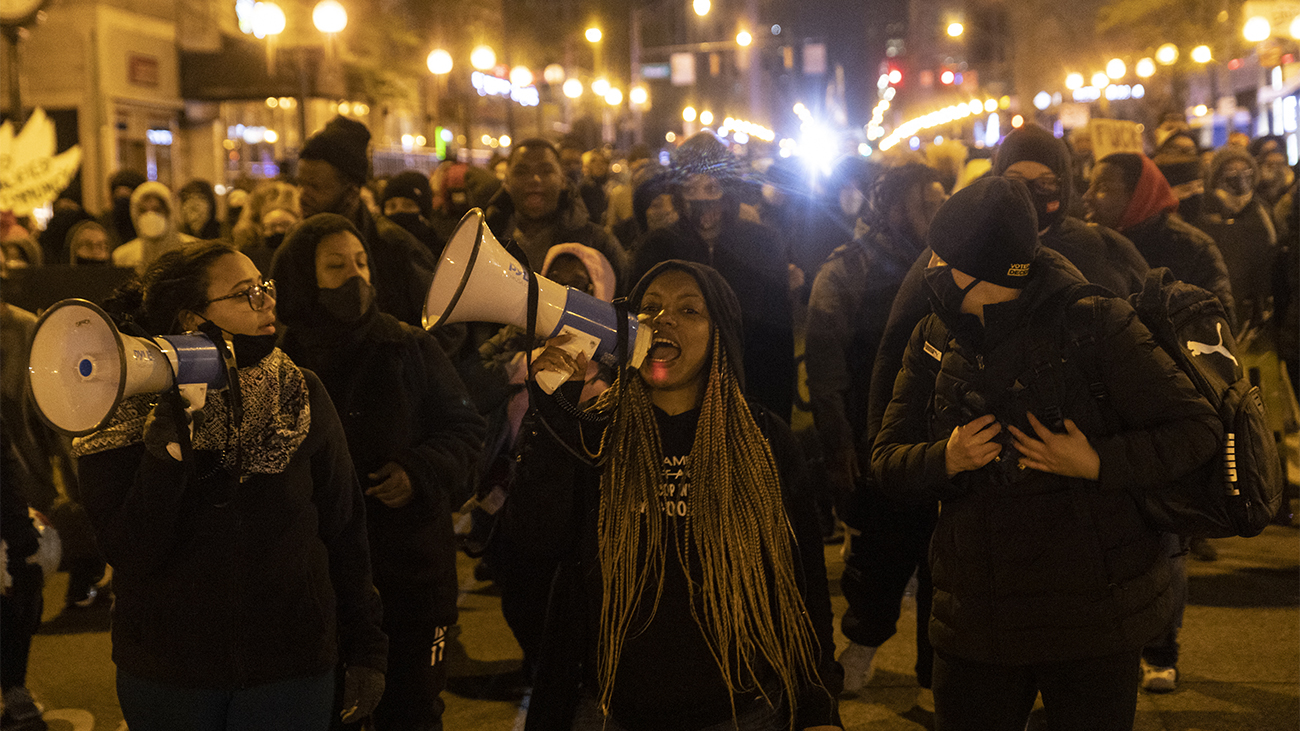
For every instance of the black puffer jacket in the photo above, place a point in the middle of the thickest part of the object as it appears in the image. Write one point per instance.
(1166, 240)
(1031, 567)
(272, 585)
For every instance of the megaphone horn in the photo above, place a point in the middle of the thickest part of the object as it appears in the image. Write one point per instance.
(477, 280)
(81, 367)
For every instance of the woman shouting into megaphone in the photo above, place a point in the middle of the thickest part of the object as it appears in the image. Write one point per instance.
(241, 572)
(691, 592)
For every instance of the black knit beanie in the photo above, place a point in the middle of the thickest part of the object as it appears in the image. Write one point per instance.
(988, 230)
(410, 184)
(342, 144)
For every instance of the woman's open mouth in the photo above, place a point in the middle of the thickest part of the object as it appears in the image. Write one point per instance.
(664, 350)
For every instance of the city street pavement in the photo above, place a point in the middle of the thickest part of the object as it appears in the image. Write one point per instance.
(1240, 659)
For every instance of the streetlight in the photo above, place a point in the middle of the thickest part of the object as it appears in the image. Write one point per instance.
(1257, 29)
(483, 58)
(1100, 80)
(701, 7)
(1201, 54)
(638, 95)
(439, 62)
(614, 97)
(955, 29)
(600, 86)
(594, 35)
(554, 74)
(572, 88)
(520, 76)
(1073, 81)
(1295, 28)
(329, 16)
(1167, 54)
(688, 114)
(268, 20)
(1116, 69)
(1146, 68)
(744, 38)
(706, 117)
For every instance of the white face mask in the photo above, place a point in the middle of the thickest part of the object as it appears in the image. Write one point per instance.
(151, 225)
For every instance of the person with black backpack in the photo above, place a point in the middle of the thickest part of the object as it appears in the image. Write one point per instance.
(1047, 576)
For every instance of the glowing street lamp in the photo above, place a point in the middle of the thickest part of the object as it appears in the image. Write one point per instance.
(439, 62)
(614, 97)
(520, 76)
(706, 117)
(268, 20)
(1073, 81)
(955, 29)
(1257, 29)
(1100, 80)
(744, 38)
(639, 95)
(701, 7)
(1295, 28)
(483, 58)
(600, 86)
(1146, 68)
(572, 88)
(594, 35)
(1201, 54)
(329, 16)
(554, 74)
(1167, 54)
(688, 114)
(1116, 69)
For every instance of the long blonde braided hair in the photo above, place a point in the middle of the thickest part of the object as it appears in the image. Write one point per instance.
(750, 608)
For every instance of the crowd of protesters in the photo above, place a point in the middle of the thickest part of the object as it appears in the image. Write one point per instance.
(657, 533)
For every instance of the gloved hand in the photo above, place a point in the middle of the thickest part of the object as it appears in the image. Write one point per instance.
(163, 425)
(362, 689)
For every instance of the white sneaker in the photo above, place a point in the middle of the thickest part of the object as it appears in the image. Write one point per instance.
(858, 667)
(1156, 679)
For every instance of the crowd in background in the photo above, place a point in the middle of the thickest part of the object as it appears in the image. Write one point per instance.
(825, 265)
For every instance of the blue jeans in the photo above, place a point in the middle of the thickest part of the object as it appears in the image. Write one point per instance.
(1163, 651)
(300, 704)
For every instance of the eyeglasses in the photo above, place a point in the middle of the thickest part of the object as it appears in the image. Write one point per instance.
(256, 294)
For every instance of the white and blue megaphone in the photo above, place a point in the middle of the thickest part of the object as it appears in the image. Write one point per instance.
(81, 367)
(477, 280)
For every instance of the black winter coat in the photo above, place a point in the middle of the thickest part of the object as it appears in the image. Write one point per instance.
(273, 585)
(1031, 567)
(400, 400)
(1166, 240)
(556, 501)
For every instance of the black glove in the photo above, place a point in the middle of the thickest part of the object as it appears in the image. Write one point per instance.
(161, 427)
(362, 689)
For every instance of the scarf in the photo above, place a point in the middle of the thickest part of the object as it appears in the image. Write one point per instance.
(1151, 196)
(277, 415)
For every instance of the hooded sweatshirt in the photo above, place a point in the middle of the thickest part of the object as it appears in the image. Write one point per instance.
(1164, 239)
(1246, 238)
(142, 250)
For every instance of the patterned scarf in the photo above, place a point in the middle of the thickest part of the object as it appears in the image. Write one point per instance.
(277, 415)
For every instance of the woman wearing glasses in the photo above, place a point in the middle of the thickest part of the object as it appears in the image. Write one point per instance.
(413, 434)
(242, 572)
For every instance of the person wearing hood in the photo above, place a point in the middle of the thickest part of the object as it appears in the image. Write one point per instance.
(847, 315)
(539, 208)
(652, 207)
(53, 238)
(332, 169)
(199, 210)
(1046, 577)
(1130, 195)
(407, 201)
(711, 607)
(117, 220)
(87, 245)
(1243, 229)
(412, 433)
(748, 255)
(272, 209)
(1032, 155)
(241, 569)
(153, 211)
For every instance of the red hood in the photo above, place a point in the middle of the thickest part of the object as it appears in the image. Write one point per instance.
(1151, 196)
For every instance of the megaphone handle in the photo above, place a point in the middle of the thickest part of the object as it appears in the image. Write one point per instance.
(197, 396)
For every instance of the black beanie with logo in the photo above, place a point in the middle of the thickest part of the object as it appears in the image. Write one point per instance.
(342, 144)
(988, 230)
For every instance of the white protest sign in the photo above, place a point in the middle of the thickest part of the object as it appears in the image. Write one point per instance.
(1114, 135)
(31, 175)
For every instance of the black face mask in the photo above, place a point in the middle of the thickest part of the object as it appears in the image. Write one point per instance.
(122, 219)
(348, 303)
(82, 261)
(946, 299)
(251, 349)
(1047, 203)
(273, 241)
(414, 224)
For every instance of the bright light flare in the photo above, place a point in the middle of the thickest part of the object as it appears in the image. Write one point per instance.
(702, 7)
(572, 88)
(439, 62)
(554, 74)
(593, 35)
(614, 97)
(1201, 110)
(1116, 69)
(688, 114)
(1202, 54)
(955, 29)
(1257, 29)
(520, 76)
(268, 20)
(638, 95)
(706, 117)
(483, 58)
(744, 38)
(1146, 68)
(1100, 80)
(1073, 81)
(1167, 54)
(329, 16)
(600, 87)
